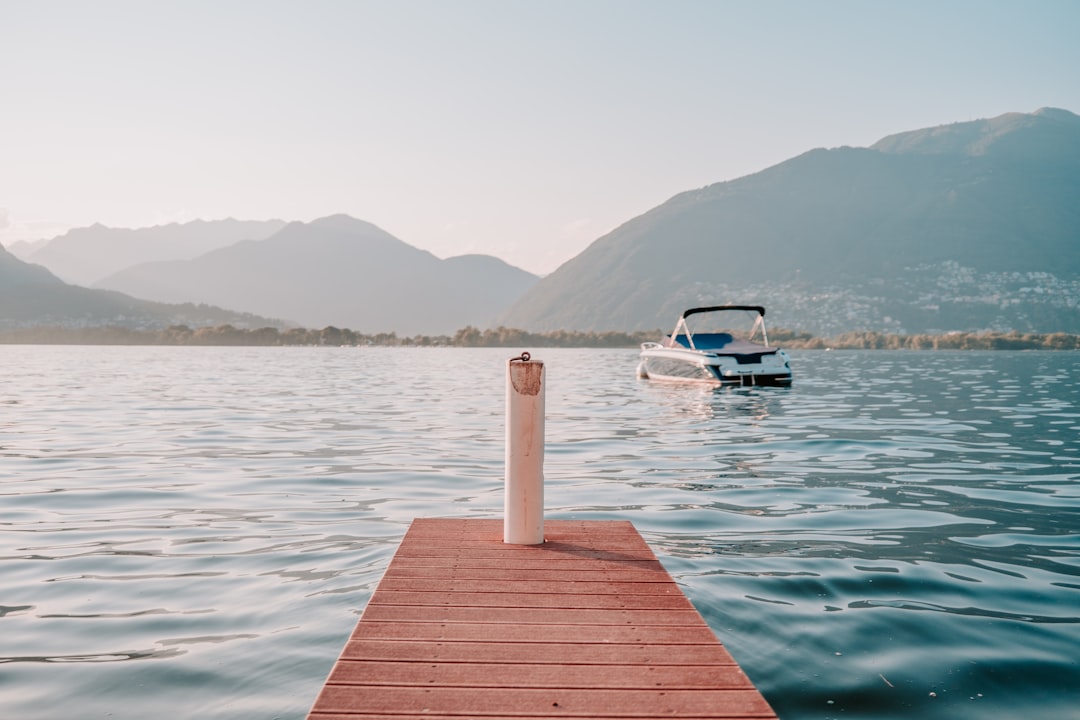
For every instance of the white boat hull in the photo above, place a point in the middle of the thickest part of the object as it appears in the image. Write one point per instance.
(682, 365)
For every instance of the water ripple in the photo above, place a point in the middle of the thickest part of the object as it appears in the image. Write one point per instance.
(894, 536)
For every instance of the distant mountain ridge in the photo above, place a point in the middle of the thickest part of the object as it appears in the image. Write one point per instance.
(1046, 135)
(31, 296)
(338, 271)
(84, 256)
(962, 227)
(334, 271)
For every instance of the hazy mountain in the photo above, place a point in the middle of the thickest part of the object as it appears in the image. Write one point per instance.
(337, 271)
(30, 296)
(968, 226)
(85, 255)
(23, 249)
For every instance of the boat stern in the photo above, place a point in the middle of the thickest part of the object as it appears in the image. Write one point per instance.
(771, 368)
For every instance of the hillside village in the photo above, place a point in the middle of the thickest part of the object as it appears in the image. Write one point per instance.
(1000, 301)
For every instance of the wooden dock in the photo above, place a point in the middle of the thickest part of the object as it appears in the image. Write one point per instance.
(587, 625)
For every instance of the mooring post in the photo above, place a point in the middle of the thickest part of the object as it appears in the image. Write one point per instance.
(523, 522)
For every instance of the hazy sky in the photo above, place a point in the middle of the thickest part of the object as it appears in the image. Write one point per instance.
(521, 129)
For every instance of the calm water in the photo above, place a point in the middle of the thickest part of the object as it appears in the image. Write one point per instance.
(193, 532)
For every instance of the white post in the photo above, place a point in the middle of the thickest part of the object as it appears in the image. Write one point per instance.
(523, 523)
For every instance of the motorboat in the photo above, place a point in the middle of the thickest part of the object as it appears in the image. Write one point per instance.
(729, 347)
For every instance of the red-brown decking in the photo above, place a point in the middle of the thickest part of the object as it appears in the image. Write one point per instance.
(587, 625)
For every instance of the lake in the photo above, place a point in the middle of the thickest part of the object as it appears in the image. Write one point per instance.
(193, 532)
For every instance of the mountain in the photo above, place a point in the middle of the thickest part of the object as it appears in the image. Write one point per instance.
(968, 226)
(337, 271)
(23, 249)
(31, 296)
(85, 255)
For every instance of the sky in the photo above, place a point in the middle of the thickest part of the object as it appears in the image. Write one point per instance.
(524, 129)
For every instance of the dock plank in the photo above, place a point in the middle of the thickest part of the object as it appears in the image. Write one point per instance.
(553, 653)
(451, 674)
(586, 625)
(529, 615)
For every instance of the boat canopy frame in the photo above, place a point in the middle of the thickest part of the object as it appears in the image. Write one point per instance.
(759, 322)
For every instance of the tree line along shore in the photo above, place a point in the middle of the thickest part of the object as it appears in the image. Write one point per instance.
(227, 335)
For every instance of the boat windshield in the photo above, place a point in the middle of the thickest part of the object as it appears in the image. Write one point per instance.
(708, 329)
